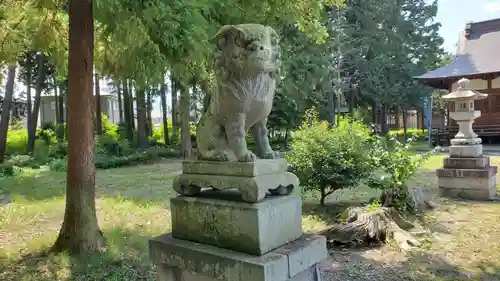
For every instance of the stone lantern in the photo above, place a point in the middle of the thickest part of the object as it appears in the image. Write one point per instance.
(466, 143)
(466, 173)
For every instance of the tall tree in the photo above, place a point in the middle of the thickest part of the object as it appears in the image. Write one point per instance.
(98, 110)
(142, 138)
(127, 111)
(174, 101)
(80, 231)
(6, 107)
(120, 102)
(186, 146)
(40, 79)
(149, 118)
(56, 99)
(163, 97)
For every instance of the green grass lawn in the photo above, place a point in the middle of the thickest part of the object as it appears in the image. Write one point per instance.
(132, 205)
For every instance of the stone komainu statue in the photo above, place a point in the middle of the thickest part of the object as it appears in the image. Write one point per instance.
(247, 62)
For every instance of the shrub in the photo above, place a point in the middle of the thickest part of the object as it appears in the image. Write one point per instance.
(60, 131)
(17, 142)
(396, 166)
(59, 165)
(24, 161)
(109, 129)
(150, 155)
(42, 152)
(419, 133)
(48, 136)
(107, 145)
(158, 134)
(59, 150)
(16, 124)
(327, 159)
(6, 169)
(50, 126)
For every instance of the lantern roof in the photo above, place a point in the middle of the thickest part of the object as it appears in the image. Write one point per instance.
(464, 92)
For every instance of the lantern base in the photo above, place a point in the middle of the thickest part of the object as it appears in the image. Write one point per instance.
(465, 141)
(466, 151)
(467, 178)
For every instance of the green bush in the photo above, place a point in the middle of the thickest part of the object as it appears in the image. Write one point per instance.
(16, 124)
(50, 126)
(108, 145)
(109, 129)
(6, 169)
(328, 159)
(152, 154)
(23, 161)
(17, 142)
(396, 165)
(59, 165)
(48, 136)
(419, 133)
(158, 134)
(60, 131)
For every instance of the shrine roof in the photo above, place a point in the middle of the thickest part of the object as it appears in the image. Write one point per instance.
(477, 56)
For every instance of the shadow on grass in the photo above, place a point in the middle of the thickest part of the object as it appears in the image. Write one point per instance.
(125, 258)
(144, 184)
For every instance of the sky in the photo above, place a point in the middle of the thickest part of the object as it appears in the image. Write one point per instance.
(454, 14)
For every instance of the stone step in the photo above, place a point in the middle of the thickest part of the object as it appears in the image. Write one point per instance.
(217, 218)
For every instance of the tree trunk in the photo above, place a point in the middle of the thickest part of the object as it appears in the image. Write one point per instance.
(149, 121)
(385, 128)
(175, 123)
(163, 97)
(131, 90)
(128, 115)
(398, 115)
(405, 128)
(423, 125)
(120, 107)
(80, 231)
(36, 106)
(98, 110)
(331, 109)
(6, 107)
(56, 101)
(186, 145)
(374, 113)
(323, 195)
(67, 116)
(142, 138)
(29, 70)
(61, 105)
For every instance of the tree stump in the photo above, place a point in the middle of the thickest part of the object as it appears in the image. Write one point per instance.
(365, 225)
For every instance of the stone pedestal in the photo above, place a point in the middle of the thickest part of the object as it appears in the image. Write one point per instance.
(181, 260)
(218, 234)
(252, 179)
(250, 228)
(468, 178)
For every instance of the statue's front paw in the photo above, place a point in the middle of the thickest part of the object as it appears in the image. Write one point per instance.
(271, 155)
(221, 156)
(247, 157)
